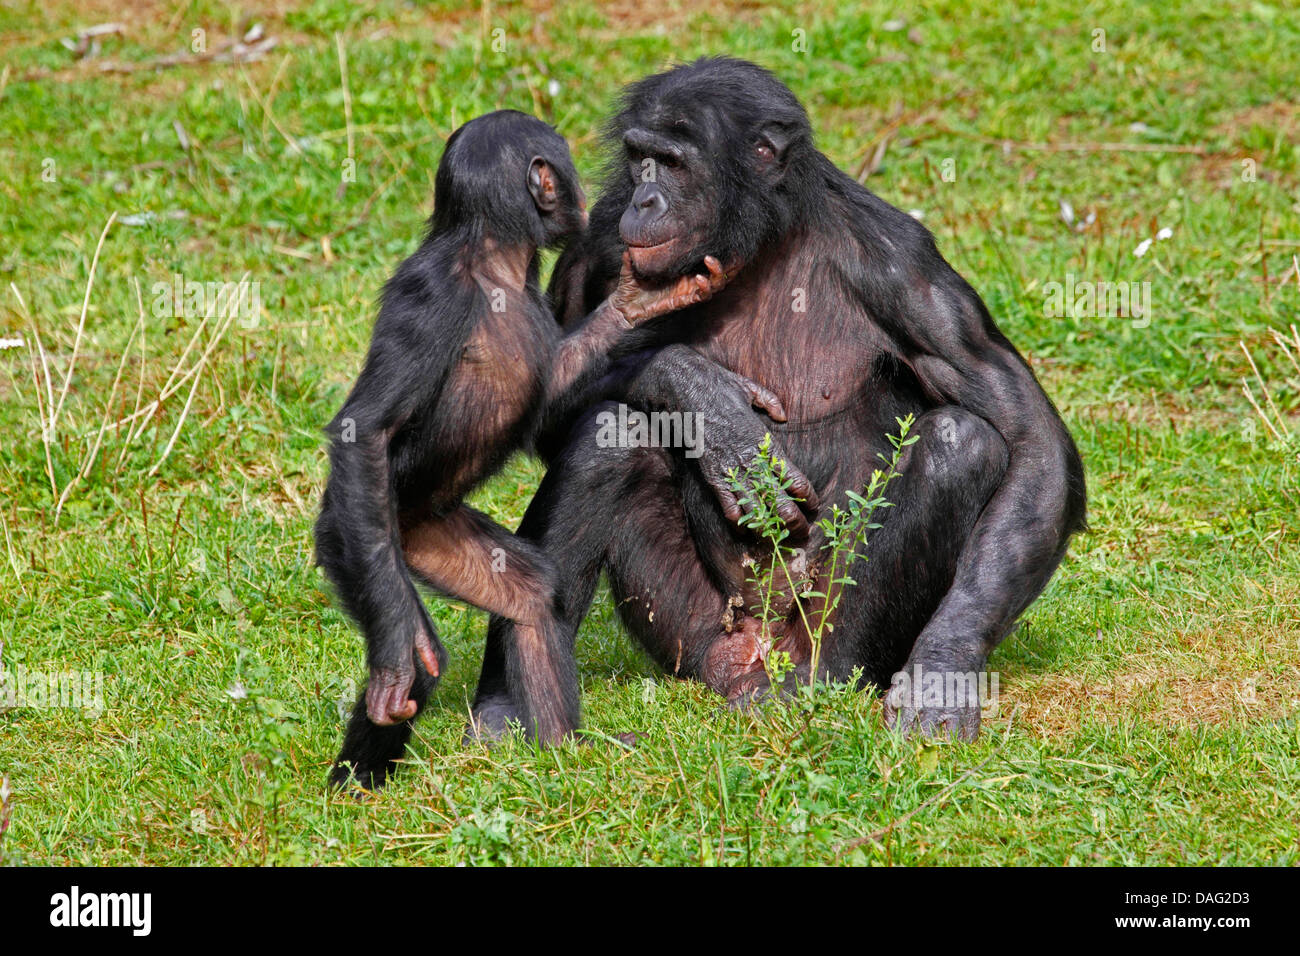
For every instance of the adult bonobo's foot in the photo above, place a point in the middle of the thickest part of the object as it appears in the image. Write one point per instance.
(493, 719)
(933, 699)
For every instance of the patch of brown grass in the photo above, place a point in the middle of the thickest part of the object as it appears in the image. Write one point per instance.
(1211, 677)
(1280, 115)
(670, 16)
(1222, 170)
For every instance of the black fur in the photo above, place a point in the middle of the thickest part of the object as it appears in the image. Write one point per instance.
(418, 431)
(991, 492)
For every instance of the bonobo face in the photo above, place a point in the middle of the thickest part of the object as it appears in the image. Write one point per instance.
(702, 185)
(671, 217)
(718, 161)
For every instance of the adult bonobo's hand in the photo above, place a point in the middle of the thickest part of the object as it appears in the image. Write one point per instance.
(731, 448)
(639, 303)
(678, 378)
(943, 656)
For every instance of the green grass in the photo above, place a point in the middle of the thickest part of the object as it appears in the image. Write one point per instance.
(1150, 698)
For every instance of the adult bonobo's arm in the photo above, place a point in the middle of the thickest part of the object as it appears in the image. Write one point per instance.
(676, 378)
(671, 378)
(942, 330)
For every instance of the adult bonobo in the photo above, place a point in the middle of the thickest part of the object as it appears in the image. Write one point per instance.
(845, 310)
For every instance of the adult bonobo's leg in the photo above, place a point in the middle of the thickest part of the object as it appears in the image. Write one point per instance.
(673, 560)
(676, 565)
(947, 478)
(578, 507)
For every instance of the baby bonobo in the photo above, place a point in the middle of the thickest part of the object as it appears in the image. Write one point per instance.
(466, 361)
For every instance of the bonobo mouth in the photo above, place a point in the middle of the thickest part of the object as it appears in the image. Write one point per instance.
(652, 259)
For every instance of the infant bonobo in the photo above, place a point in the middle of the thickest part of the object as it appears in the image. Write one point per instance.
(465, 362)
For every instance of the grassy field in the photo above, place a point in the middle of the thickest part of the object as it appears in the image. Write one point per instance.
(159, 470)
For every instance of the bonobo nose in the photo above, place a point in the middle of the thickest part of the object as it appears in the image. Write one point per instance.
(648, 202)
(647, 207)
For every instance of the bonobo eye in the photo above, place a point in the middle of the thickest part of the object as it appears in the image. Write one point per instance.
(764, 152)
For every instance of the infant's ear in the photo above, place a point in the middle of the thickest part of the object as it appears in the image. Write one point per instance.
(541, 183)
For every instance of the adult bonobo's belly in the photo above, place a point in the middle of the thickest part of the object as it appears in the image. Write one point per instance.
(840, 418)
(839, 450)
(842, 390)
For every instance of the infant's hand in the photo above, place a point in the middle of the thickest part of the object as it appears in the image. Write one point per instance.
(639, 304)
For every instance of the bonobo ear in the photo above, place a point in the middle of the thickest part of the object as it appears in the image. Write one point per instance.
(541, 183)
(771, 146)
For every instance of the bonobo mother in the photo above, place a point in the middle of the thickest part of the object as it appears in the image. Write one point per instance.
(844, 309)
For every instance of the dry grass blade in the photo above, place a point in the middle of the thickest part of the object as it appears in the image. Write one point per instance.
(170, 387)
(194, 372)
(81, 325)
(1280, 339)
(89, 460)
(139, 396)
(270, 116)
(43, 402)
(13, 557)
(347, 92)
(140, 417)
(1276, 423)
